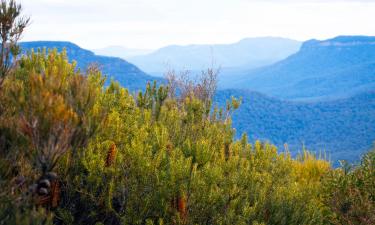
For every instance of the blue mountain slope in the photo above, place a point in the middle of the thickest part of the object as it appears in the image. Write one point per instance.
(344, 129)
(249, 53)
(334, 68)
(118, 69)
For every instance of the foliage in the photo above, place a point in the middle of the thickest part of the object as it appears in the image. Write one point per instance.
(79, 152)
(342, 128)
(350, 192)
(12, 25)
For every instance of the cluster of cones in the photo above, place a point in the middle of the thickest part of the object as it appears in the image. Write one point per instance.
(46, 191)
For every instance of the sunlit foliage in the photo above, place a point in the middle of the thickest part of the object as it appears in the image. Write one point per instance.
(77, 152)
(350, 192)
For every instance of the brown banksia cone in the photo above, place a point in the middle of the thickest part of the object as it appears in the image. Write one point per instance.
(55, 194)
(227, 152)
(111, 155)
(181, 204)
(25, 128)
(169, 147)
(42, 200)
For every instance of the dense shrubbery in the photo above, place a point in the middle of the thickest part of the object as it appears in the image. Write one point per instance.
(73, 151)
(341, 128)
(350, 192)
(76, 152)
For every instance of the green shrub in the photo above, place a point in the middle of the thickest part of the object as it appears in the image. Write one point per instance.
(111, 157)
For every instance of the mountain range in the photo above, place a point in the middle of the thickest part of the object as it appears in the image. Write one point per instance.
(329, 69)
(115, 68)
(249, 53)
(121, 52)
(333, 81)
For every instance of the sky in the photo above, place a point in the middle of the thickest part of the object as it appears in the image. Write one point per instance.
(151, 24)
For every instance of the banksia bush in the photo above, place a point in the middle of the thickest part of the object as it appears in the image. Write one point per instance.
(58, 119)
(350, 192)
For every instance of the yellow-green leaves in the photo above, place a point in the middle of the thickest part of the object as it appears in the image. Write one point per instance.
(152, 158)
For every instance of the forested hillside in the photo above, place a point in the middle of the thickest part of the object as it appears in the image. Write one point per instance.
(342, 129)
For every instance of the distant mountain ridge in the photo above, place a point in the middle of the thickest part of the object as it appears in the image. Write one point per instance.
(340, 41)
(249, 52)
(329, 69)
(121, 52)
(126, 73)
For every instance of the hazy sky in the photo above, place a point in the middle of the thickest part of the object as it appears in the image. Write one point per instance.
(156, 23)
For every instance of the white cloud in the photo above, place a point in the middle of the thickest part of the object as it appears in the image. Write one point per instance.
(154, 23)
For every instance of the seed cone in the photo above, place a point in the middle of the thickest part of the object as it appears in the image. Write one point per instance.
(42, 200)
(169, 148)
(178, 203)
(46, 191)
(111, 155)
(55, 194)
(182, 206)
